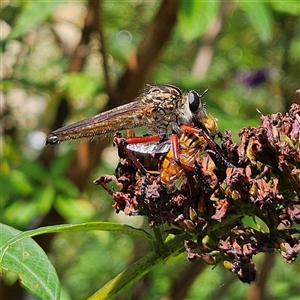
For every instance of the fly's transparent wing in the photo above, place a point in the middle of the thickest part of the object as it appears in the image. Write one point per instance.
(130, 115)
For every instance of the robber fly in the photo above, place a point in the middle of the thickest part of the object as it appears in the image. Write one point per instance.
(162, 108)
(181, 151)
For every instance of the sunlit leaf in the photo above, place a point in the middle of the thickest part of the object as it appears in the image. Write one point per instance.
(260, 16)
(21, 212)
(289, 7)
(195, 16)
(15, 183)
(27, 259)
(80, 85)
(33, 13)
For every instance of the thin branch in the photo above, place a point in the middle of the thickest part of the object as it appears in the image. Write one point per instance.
(258, 290)
(103, 52)
(182, 285)
(205, 53)
(91, 24)
(147, 55)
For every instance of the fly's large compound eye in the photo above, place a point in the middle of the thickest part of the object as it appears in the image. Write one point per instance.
(194, 101)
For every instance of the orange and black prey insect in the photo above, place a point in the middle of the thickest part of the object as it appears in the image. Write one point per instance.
(179, 154)
(192, 145)
(162, 108)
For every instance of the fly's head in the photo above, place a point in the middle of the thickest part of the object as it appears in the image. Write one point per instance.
(192, 111)
(200, 115)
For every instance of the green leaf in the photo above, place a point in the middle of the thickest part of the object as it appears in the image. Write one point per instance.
(28, 260)
(33, 13)
(138, 269)
(12, 240)
(74, 209)
(21, 212)
(66, 187)
(80, 85)
(15, 183)
(288, 7)
(60, 165)
(128, 277)
(259, 14)
(195, 16)
(33, 170)
(101, 226)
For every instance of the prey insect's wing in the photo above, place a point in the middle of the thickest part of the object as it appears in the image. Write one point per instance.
(130, 115)
(151, 148)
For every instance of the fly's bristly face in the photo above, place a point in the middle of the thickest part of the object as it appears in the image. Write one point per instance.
(201, 116)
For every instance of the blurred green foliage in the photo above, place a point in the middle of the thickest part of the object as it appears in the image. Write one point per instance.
(38, 40)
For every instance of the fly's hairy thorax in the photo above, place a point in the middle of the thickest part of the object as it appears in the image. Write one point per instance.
(168, 109)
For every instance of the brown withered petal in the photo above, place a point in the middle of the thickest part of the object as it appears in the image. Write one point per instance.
(289, 252)
(295, 128)
(236, 178)
(191, 255)
(221, 210)
(294, 212)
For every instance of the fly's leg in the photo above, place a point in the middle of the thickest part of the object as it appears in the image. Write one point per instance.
(138, 140)
(121, 143)
(175, 148)
(201, 177)
(210, 142)
(142, 139)
(176, 153)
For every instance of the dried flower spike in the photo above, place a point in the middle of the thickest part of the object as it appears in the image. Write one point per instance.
(261, 179)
